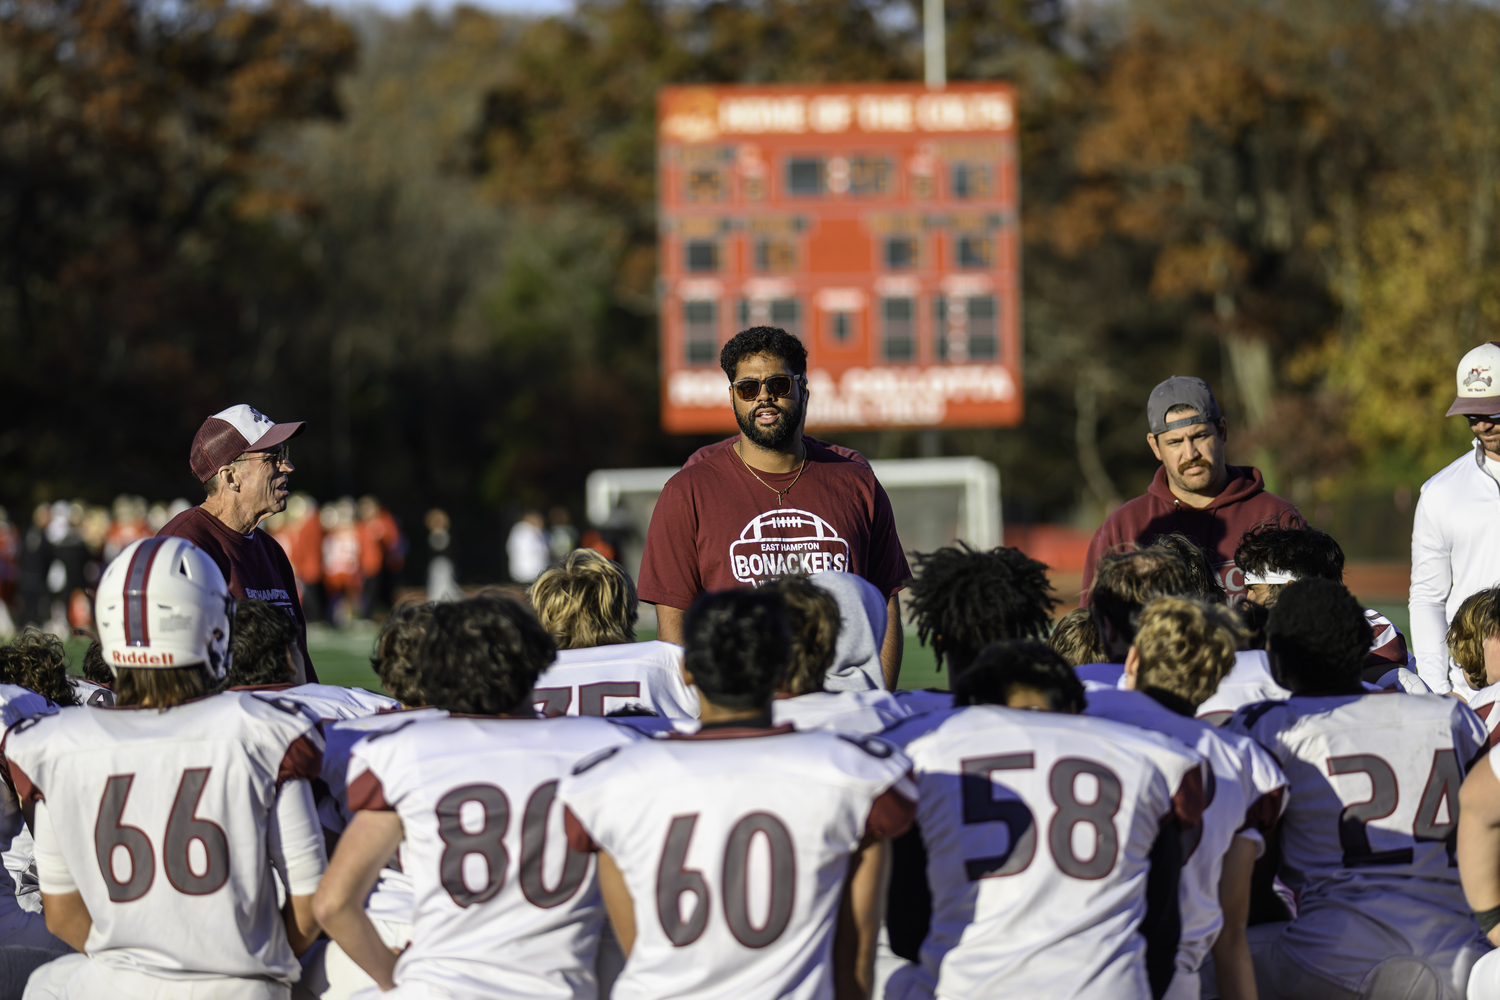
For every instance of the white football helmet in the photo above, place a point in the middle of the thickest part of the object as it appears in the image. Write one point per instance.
(162, 604)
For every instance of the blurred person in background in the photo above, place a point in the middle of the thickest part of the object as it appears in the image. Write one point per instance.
(10, 569)
(527, 547)
(71, 553)
(562, 537)
(1455, 540)
(32, 597)
(442, 578)
(301, 535)
(382, 554)
(243, 459)
(129, 525)
(1194, 493)
(343, 583)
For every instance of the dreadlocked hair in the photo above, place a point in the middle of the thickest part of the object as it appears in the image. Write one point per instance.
(37, 660)
(964, 599)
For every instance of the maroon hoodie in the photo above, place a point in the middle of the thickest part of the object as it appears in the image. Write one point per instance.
(1243, 504)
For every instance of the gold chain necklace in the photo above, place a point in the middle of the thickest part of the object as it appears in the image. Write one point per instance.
(779, 493)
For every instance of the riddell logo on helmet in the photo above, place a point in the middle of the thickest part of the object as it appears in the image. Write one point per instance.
(142, 658)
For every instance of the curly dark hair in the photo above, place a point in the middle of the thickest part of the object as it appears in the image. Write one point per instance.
(1206, 585)
(394, 658)
(813, 616)
(93, 666)
(770, 340)
(483, 655)
(964, 599)
(1303, 551)
(1318, 633)
(738, 646)
(1004, 666)
(263, 636)
(38, 660)
(1124, 582)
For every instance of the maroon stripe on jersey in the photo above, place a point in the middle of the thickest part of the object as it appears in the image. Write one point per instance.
(578, 838)
(1187, 804)
(136, 631)
(891, 815)
(1264, 812)
(303, 759)
(26, 791)
(732, 733)
(367, 794)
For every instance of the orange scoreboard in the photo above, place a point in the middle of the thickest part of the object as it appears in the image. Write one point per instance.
(877, 222)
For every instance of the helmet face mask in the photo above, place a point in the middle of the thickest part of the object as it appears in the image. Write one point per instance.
(163, 604)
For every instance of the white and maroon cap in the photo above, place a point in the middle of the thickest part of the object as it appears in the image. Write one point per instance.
(1478, 395)
(230, 432)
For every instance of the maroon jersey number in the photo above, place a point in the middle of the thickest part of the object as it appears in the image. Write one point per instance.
(488, 841)
(1097, 814)
(674, 880)
(183, 827)
(1443, 782)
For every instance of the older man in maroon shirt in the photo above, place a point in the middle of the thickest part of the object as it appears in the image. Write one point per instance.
(1194, 492)
(242, 458)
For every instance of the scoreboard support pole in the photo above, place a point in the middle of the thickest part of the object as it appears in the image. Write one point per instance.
(935, 44)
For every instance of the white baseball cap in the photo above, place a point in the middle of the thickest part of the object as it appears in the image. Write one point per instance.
(1478, 395)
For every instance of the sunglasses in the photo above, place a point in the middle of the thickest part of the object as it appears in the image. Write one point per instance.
(1474, 418)
(778, 386)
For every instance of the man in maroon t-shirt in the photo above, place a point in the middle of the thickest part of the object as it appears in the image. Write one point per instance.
(1194, 492)
(771, 502)
(241, 457)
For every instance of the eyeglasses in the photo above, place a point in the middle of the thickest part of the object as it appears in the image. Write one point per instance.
(279, 456)
(778, 386)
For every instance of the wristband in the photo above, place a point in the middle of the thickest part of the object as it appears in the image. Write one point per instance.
(1488, 919)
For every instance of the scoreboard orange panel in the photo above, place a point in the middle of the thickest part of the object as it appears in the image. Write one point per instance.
(878, 222)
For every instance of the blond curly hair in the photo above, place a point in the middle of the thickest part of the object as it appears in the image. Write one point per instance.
(1185, 647)
(586, 600)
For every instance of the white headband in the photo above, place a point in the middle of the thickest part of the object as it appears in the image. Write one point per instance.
(1270, 576)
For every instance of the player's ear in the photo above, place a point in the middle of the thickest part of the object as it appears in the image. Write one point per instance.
(1132, 668)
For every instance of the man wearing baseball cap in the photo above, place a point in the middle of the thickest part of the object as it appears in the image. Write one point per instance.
(242, 458)
(1455, 542)
(1194, 493)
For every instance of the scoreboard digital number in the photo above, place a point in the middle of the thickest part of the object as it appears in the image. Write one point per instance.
(877, 222)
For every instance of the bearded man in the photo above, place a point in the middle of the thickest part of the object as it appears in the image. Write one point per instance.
(771, 501)
(1194, 493)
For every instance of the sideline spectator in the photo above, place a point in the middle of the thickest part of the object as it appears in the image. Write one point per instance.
(715, 526)
(36, 559)
(300, 532)
(241, 457)
(442, 576)
(562, 537)
(10, 569)
(343, 584)
(527, 548)
(1194, 492)
(1455, 542)
(382, 554)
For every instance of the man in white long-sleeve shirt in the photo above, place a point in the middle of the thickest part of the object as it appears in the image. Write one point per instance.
(1455, 542)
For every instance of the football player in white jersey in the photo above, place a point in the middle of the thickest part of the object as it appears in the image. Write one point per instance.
(329, 973)
(1123, 583)
(37, 661)
(502, 907)
(1474, 644)
(163, 823)
(1053, 843)
(589, 605)
(1367, 840)
(20, 926)
(746, 860)
(267, 659)
(1182, 649)
(1273, 555)
(963, 599)
(813, 616)
(95, 687)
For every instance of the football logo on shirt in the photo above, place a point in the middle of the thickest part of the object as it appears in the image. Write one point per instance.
(786, 541)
